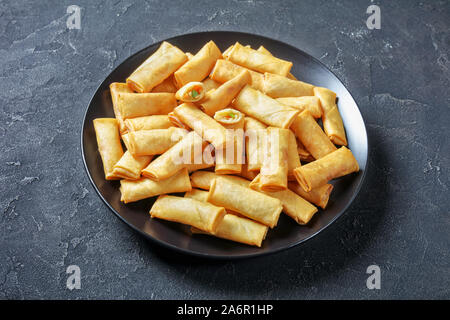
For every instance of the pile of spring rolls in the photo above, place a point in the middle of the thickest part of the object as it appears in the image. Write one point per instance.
(235, 131)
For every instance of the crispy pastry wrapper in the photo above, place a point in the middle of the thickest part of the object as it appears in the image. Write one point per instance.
(203, 179)
(331, 118)
(168, 85)
(202, 215)
(293, 205)
(255, 143)
(257, 61)
(130, 167)
(148, 123)
(276, 86)
(220, 98)
(200, 122)
(152, 142)
(262, 49)
(132, 105)
(116, 88)
(311, 135)
(319, 196)
(187, 151)
(225, 70)
(274, 171)
(109, 146)
(303, 153)
(229, 160)
(334, 165)
(210, 84)
(265, 109)
(293, 156)
(310, 103)
(199, 66)
(158, 67)
(143, 188)
(247, 202)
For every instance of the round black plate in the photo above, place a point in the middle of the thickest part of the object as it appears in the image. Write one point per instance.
(176, 236)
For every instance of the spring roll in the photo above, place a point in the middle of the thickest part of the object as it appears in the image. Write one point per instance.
(225, 70)
(116, 88)
(229, 160)
(257, 61)
(319, 196)
(276, 86)
(310, 103)
(265, 109)
(293, 156)
(210, 84)
(202, 215)
(331, 118)
(221, 97)
(186, 152)
(293, 205)
(334, 165)
(143, 188)
(200, 122)
(130, 167)
(191, 92)
(274, 171)
(167, 85)
(132, 105)
(109, 146)
(238, 229)
(148, 123)
(250, 203)
(199, 66)
(255, 143)
(158, 67)
(203, 179)
(152, 142)
(262, 49)
(312, 136)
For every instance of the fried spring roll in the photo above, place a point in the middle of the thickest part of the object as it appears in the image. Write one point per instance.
(238, 229)
(229, 160)
(312, 136)
(274, 171)
(265, 51)
(191, 92)
(254, 60)
(130, 167)
(156, 141)
(276, 86)
(148, 123)
(199, 66)
(202, 215)
(293, 205)
(334, 165)
(255, 143)
(158, 67)
(186, 152)
(221, 97)
(225, 70)
(200, 122)
(310, 103)
(132, 105)
(331, 118)
(167, 85)
(210, 84)
(293, 156)
(250, 203)
(265, 109)
(116, 88)
(319, 196)
(203, 179)
(143, 188)
(109, 146)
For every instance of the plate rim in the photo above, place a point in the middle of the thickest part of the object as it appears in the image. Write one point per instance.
(207, 255)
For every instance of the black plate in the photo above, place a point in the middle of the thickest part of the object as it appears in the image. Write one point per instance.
(176, 236)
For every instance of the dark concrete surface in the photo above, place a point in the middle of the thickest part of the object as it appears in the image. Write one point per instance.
(51, 217)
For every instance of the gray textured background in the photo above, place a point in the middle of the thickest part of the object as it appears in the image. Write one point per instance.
(51, 217)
